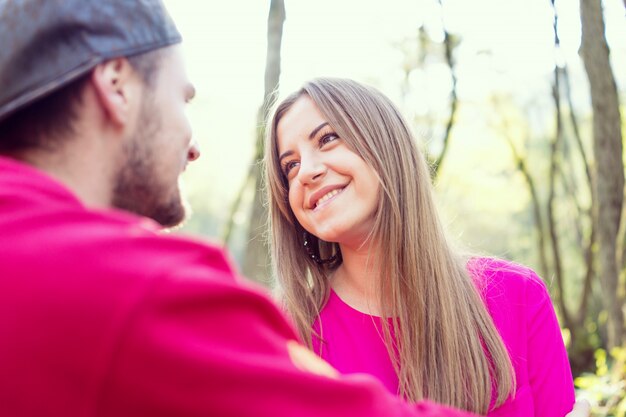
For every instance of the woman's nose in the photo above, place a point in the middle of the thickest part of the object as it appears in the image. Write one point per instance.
(311, 170)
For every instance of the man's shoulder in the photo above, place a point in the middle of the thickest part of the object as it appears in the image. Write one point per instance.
(139, 250)
(72, 245)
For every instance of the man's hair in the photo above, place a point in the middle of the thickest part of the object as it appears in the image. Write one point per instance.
(45, 122)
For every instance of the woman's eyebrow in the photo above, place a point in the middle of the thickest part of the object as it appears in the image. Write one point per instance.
(311, 136)
(284, 155)
(317, 129)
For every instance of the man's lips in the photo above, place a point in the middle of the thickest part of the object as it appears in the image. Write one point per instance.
(324, 194)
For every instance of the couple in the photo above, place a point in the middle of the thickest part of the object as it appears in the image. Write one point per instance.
(102, 315)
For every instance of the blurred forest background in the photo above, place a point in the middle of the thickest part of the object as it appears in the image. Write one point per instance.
(519, 105)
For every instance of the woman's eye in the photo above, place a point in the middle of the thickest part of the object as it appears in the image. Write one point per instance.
(328, 137)
(288, 166)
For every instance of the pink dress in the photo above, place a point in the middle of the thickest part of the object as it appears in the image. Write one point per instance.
(521, 309)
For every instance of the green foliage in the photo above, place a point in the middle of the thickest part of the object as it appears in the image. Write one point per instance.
(606, 389)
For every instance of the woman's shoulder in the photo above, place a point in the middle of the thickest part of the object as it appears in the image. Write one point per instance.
(498, 277)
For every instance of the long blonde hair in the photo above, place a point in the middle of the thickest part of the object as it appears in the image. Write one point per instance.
(446, 348)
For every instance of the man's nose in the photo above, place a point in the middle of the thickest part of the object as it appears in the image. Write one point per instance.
(194, 151)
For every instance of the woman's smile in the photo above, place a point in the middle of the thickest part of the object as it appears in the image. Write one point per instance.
(324, 196)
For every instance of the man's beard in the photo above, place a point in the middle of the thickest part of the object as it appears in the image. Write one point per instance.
(138, 187)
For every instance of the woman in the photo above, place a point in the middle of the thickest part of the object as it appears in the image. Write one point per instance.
(373, 285)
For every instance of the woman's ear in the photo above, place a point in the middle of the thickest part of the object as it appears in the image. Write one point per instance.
(117, 87)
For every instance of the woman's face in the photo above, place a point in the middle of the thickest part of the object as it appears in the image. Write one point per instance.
(332, 191)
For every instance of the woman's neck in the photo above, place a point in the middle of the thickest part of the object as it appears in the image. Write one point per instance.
(357, 281)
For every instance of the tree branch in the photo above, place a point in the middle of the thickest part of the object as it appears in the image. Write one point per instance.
(449, 46)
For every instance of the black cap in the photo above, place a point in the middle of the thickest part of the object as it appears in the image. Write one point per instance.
(46, 44)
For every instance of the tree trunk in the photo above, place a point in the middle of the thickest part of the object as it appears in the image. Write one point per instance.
(609, 167)
(256, 263)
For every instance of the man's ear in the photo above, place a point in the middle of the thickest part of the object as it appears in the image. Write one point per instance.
(117, 87)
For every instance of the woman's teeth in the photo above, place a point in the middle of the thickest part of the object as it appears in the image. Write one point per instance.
(328, 196)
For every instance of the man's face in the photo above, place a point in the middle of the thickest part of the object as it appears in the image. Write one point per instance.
(159, 147)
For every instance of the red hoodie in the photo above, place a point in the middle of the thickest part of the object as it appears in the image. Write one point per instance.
(100, 315)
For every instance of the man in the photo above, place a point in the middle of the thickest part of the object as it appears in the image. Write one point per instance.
(99, 314)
